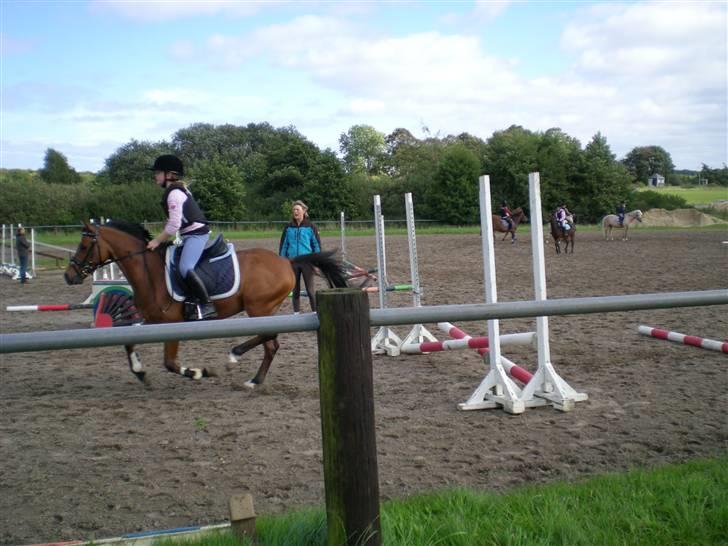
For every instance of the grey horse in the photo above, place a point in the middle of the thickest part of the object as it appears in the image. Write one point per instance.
(612, 221)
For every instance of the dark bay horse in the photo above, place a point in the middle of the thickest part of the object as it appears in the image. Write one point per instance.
(500, 225)
(558, 234)
(266, 279)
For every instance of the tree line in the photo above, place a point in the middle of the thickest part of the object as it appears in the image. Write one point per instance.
(254, 172)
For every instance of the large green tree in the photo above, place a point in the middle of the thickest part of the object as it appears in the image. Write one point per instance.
(455, 190)
(219, 189)
(558, 160)
(363, 149)
(603, 184)
(644, 161)
(56, 169)
(131, 162)
(511, 155)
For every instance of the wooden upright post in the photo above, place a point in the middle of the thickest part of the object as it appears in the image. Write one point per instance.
(347, 418)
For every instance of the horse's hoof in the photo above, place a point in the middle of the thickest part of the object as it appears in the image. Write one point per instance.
(232, 358)
(250, 384)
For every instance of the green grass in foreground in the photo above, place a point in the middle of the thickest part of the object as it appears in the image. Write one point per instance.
(673, 505)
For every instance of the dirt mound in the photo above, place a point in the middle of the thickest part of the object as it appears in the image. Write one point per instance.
(679, 218)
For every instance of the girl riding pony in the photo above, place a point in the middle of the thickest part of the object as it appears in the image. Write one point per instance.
(183, 215)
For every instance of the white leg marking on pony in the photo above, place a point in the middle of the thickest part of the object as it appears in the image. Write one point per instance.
(250, 384)
(232, 358)
(136, 363)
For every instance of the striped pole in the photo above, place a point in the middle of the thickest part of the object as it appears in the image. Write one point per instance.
(512, 369)
(695, 341)
(466, 342)
(60, 307)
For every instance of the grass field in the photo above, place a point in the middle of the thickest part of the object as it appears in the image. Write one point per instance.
(695, 195)
(678, 504)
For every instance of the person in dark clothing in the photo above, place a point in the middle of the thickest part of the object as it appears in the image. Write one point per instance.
(620, 213)
(22, 245)
(300, 237)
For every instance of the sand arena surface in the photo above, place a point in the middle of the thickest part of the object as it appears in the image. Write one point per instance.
(89, 452)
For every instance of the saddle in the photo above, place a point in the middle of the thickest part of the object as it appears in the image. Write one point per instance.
(218, 269)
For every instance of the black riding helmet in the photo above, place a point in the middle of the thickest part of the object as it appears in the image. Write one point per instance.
(168, 163)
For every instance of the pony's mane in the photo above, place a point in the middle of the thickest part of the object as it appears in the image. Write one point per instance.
(130, 228)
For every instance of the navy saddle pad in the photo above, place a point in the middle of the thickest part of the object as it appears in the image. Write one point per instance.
(218, 268)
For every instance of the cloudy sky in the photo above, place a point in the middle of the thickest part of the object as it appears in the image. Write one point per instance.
(85, 77)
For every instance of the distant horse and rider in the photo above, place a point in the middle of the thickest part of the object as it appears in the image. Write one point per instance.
(611, 221)
(263, 283)
(563, 233)
(507, 222)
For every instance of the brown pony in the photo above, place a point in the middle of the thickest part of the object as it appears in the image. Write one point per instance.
(499, 225)
(266, 279)
(558, 234)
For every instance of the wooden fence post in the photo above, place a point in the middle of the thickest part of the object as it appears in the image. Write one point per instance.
(347, 418)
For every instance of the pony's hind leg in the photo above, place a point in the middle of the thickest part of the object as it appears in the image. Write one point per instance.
(240, 350)
(135, 364)
(171, 349)
(271, 348)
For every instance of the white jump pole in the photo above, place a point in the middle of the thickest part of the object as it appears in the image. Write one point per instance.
(2, 258)
(419, 333)
(385, 340)
(12, 243)
(342, 228)
(32, 250)
(546, 384)
(497, 388)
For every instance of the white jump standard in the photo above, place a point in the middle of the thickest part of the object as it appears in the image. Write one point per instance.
(497, 389)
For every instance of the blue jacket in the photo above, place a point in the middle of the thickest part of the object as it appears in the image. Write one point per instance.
(299, 239)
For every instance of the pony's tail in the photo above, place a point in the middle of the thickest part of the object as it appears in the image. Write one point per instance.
(331, 268)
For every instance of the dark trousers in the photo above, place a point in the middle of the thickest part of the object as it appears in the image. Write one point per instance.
(307, 274)
(23, 267)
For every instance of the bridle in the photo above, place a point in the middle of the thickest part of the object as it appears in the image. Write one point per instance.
(83, 268)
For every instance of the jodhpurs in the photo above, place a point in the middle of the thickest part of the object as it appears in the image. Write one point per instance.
(192, 248)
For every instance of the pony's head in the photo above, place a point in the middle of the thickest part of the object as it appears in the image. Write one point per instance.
(637, 214)
(98, 248)
(88, 257)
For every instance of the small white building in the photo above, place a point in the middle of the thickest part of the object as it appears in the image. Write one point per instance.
(656, 180)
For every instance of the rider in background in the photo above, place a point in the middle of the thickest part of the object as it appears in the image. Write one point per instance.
(562, 214)
(300, 237)
(620, 213)
(505, 214)
(183, 215)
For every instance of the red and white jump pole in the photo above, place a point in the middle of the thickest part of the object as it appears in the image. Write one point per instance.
(512, 369)
(59, 307)
(712, 344)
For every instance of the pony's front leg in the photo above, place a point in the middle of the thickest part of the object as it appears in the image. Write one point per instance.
(171, 349)
(135, 364)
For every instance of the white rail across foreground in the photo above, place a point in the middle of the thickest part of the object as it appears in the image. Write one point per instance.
(237, 327)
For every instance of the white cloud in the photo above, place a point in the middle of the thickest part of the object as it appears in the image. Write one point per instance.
(166, 10)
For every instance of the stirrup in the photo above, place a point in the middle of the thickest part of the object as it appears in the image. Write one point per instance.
(199, 311)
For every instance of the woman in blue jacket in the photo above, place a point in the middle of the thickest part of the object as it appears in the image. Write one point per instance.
(299, 237)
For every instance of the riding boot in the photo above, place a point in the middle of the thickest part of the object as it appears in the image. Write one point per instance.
(205, 309)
